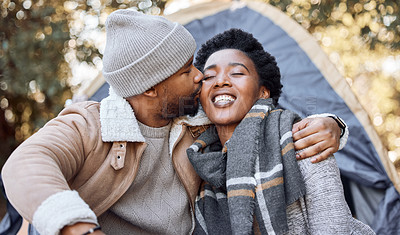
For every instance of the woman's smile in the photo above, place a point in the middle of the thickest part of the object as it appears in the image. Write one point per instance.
(223, 100)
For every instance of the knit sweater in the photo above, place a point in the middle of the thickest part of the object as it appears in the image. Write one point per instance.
(152, 205)
(323, 210)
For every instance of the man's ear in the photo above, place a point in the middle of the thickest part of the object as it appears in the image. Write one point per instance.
(264, 92)
(152, 92)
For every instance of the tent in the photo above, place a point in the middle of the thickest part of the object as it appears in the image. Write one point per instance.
(312, 85)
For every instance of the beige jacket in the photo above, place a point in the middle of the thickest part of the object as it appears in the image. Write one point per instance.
(93, 149)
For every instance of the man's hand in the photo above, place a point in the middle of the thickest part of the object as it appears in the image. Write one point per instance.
(316, 136)
(80, 228)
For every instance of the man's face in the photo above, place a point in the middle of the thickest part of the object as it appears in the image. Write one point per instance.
(179, 93)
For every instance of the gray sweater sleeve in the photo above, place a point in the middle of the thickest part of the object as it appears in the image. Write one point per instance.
(325, 205)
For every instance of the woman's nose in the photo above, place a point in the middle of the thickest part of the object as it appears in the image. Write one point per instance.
(222, 80)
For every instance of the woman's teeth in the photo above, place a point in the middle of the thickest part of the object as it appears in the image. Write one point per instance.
(223, 98)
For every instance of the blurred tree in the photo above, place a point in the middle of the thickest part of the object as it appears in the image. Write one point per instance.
(39, 40)
(32, 68)
(375, 21)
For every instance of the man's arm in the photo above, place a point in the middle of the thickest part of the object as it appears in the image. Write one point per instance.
(36, 174)
(318, 136)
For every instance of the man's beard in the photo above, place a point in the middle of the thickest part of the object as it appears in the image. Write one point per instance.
(188, 105)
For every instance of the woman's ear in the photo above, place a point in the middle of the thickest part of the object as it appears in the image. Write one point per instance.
(264, 92)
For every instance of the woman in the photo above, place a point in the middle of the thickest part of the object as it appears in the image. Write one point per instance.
(253, 183)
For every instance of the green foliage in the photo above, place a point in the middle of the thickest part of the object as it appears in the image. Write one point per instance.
(35, 38)
(33, 80)
(362, 38)
(377, 21)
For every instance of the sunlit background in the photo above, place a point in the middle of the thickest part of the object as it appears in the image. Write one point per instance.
(50, 50)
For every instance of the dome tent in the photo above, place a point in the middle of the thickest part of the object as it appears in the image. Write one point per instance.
(311, 84)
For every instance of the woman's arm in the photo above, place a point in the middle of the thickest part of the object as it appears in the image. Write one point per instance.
(326, 208)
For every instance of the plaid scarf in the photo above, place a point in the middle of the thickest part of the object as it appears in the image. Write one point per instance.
(251, 181)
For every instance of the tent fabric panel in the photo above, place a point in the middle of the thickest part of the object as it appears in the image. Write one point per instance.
(368, 200)
(101, 93)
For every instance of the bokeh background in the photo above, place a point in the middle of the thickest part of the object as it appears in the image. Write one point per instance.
(51, 50)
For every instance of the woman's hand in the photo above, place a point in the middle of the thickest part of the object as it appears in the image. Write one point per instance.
(317, 137)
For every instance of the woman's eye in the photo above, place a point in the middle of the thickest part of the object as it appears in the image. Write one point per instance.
(237, 74)
(207, 77)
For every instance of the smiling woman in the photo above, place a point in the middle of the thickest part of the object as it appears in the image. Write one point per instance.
(252, 181)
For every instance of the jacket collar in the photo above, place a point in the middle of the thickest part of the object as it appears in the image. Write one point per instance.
(118, 121)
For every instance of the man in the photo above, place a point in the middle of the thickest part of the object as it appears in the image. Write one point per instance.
(122, 163)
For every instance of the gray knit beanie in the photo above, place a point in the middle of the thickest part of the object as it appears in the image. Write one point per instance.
(143, 50)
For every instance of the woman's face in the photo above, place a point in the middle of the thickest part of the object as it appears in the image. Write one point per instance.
(230, 87)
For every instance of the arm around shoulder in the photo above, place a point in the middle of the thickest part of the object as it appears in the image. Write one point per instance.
(319, 136)
(344, 135)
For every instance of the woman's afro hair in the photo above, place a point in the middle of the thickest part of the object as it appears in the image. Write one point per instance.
(264, 62)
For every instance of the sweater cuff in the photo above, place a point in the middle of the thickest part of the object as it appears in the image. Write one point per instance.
(343, 139)
(61, 209)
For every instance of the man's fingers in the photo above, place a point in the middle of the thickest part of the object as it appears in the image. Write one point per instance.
(307, 141)
(305, 131)
(316, 137)
(318, 152)
(315, 149)
(299, 125)
(302, 124)
(322, 156)
(317, 157)
(328, 137)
